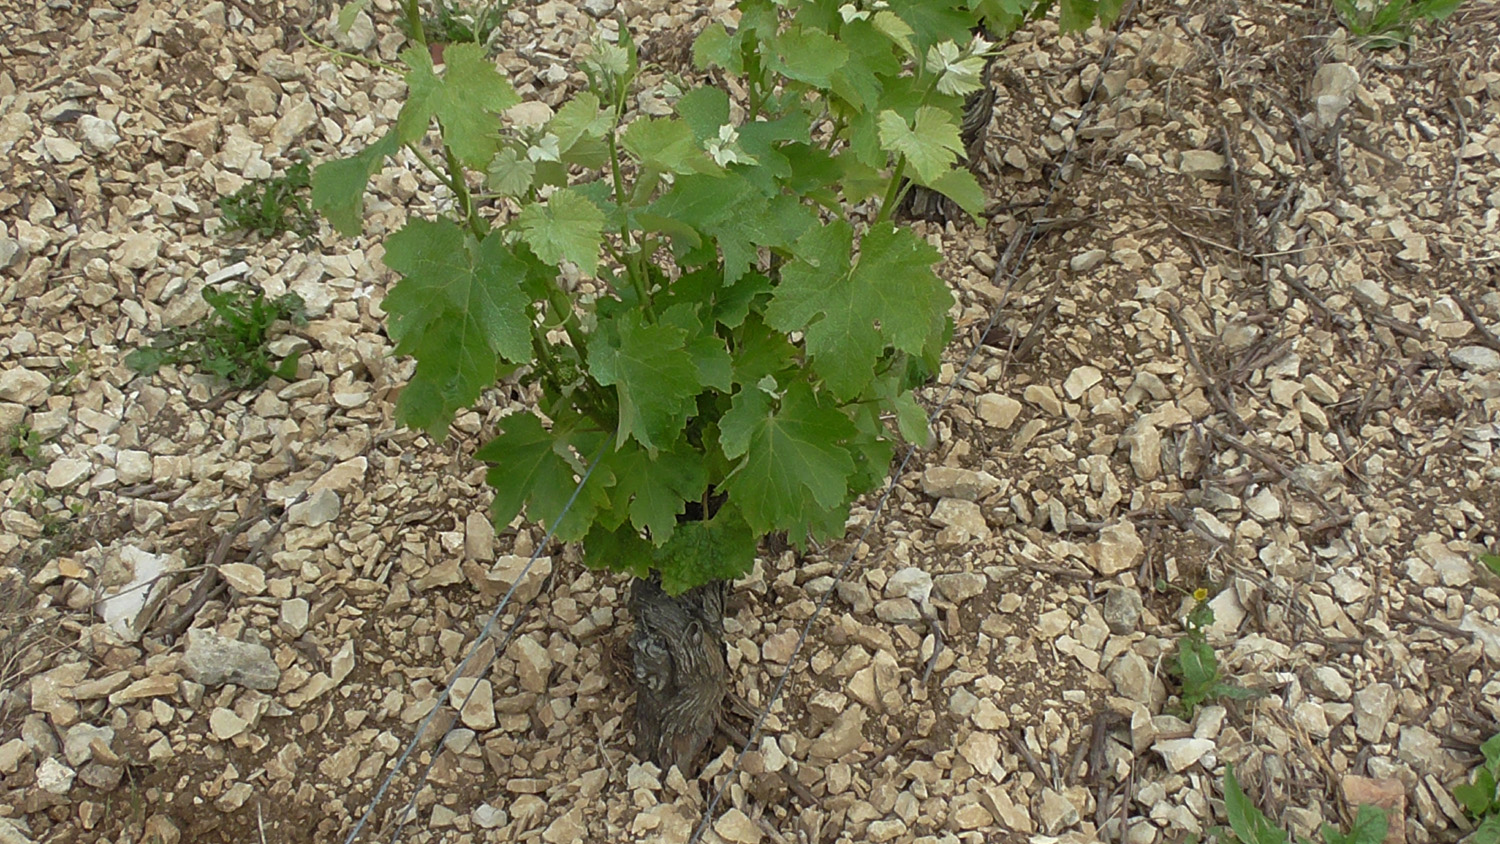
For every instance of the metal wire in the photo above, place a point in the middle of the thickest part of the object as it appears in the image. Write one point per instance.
(1031, 237)
(458, 673)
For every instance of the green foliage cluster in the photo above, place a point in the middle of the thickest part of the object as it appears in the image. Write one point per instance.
(1198, 666)
(447, 22)
(1249, 825)
(1480, 796)
(231, 343)
(270, 207)
(751, 344)
(1387, 23)
(21, 446)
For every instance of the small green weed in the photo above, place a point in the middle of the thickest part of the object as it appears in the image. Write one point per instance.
(231, 343)
(23, 445)
(451, 23)
(1481, 795)
(1491, 562)
(271, 206)
(1389, 23)
(1249, 825)
(1197, 665)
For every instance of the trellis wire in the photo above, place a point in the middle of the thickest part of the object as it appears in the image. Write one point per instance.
(458, 674)
(1031, 236)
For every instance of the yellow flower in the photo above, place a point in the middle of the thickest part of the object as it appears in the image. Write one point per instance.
(1200, 594)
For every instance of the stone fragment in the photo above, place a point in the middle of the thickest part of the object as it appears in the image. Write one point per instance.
(953, 482)
(1080, 380)
(12, 754)
(498, 579)
(842, 737)
(99, 135)
(477, 702)
(1201, 164)
(1211, 525)
(78, 744)
(52, 693)
(156, 685)
(982, 750)
(294, 617)
(1055, 812)
(214, 660)
(321, 507)
(226, 724)
(1331, 91)
(132, 467)
(23, 386)
(779, 647)
(1373, 707)
(1085, 261)
(54, 777)
(138, 251)
(1119, 549)
(998, 411)
(244, 578)
(736, 827)
(568, 829)
(1044, 398)
(533, 664)
(1122, 610)
(963, 515)
(1179, 754)
(1145, 450)
(1131, 677)
(1326, 682)
(960, 586)
(66, 471)
(909, 582)
(479, 537)
(293, 124)
(1481, 359)
(1264, 505)
(970, 816)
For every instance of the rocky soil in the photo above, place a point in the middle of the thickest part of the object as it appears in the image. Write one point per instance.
(1252, 350)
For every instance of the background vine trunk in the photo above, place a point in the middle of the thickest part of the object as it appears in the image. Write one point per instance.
(680, 672)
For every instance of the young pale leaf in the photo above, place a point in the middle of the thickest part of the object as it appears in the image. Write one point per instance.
(792, 466)
(467, 101)
(568, 226)
(338, 186)
(930, 148)
(808, 55)
(654, 377)
(510, 173)
(911, 419)
(579, 118)
(851, 313)
(897, 30)
(958, 74)
(666, 145)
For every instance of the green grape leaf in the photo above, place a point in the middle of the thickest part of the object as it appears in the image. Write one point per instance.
(338, 186)
(792, 466)
(959, 185)
(715, 47)
(722, 548)
(849, 314)
(1477, 796)
(466, 100)
(911, 419)
(442, 268)
(617, 548)
(730, 210)
(1077, 14)
(577, 119)
(666, 145)
(653, 489)
(654, 377)
(568, 226)
(510, 173)
(808, 55)
(933, 21)
(930, 148)
(704, 110)
(454, 365)
(459, 304)
(1488, 831)
(528, 470)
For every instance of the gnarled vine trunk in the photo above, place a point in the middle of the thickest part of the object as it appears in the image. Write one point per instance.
(680, 672)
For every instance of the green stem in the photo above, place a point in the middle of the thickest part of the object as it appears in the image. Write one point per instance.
(461, 191)
(364, 60)
(892, 192)
(635, 265)
(414, 22)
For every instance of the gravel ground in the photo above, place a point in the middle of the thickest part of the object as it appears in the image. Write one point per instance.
(1252, 350)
